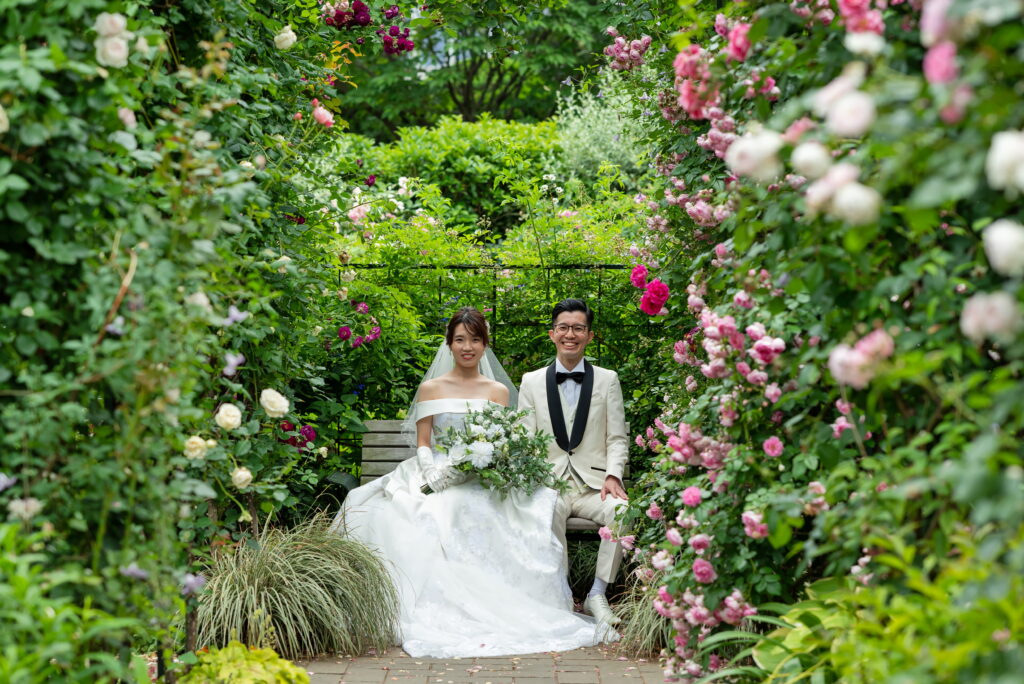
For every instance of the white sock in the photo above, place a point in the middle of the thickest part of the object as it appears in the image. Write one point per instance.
(599, 587)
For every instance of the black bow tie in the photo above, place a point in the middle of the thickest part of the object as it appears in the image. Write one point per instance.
(576, 376)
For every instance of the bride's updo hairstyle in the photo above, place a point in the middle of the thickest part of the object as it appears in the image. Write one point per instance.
(474, 321)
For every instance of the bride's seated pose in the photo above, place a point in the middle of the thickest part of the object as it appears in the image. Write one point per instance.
(477, 575)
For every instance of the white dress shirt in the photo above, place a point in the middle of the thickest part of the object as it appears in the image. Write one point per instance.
(570, 389)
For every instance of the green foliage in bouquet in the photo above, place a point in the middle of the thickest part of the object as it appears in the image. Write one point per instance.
(243, 664)
(306, 591)
(497, 447)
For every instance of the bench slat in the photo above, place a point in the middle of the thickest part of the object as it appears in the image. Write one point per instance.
(383, 425)
(381, 453)
(378, 468)
(395, 439)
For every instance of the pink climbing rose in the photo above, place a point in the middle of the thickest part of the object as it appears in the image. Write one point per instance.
(739, 44)
(704, 572)
(699, 542)
(639, 276)
(691, 496)
(654, 511)
(753, 525)
(673, 537)
(773, 446)
(940, 63)
(654, 297)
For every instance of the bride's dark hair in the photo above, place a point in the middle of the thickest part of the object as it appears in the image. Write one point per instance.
(474, 321)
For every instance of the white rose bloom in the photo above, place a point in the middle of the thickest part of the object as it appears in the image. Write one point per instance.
(481, 454)
(28, 312)
(110, 25)
(285, 39)
(229, 417)
(112, 52)
(274, 403)
(1004, 165)
(457, 454)
(846, 82)
(477, 429)
(866, 43)
(195, 448)
(5, 122)
(856, 204)
(820, 192)
(199, 299)
(241, 478)
(322, 451)
(24, 509)
(210, 443)
(852, 115)
(1004, 245)
(995, 315)
(811, 159)
(142, 46)
(753, 155)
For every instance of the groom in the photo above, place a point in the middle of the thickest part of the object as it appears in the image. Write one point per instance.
(581, 405)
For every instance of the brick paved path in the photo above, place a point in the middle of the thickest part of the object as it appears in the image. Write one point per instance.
(599, 665)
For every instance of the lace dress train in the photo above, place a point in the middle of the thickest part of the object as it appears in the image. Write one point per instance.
(477, 575)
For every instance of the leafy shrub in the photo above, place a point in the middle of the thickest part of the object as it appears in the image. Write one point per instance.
(236, 662)
(304, 590)
(594, 129)
(464, 159)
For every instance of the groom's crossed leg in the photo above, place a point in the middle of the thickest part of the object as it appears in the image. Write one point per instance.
(583, 502)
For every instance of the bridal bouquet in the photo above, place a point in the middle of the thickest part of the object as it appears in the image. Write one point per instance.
(494, 445)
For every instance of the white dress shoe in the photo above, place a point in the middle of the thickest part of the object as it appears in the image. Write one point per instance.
(597, 605)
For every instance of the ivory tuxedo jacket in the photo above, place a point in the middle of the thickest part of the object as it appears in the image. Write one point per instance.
(594, 440)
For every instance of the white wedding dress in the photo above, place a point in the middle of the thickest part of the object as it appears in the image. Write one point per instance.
(477, 575)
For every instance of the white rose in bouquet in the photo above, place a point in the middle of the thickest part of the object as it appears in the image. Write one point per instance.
(481, 454)
(274, 403)
(1004, 245)
(241, 477)
(457, 453)
(228, 417)
(195, 448)
(477, 430)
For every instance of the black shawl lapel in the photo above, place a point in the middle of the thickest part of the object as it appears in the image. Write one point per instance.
(555, 410)
(582, 408)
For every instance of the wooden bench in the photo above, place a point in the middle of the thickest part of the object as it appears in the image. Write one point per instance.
(384, 447)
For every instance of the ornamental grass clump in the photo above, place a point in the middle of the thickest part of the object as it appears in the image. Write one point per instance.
(646, 633)
(319, 592)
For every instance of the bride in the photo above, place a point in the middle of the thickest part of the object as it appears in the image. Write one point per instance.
(477, 575)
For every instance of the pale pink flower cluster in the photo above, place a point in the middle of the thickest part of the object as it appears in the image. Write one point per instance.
(817, 504)
(755, 155)
(767, 349)
(754, 525)
(735, 608)
(855, 366)
(940, 63)
(626, 54)
(859, 16)
(691, 496)
(699, 543)
(690, 447)
(761, 85)
(993, 315)
(697, 92)
(739, 43)
(721, 134)
(654, 511)
(322, 116)
(663, 560)
(813, 10)
(935, 24)
(858, 570)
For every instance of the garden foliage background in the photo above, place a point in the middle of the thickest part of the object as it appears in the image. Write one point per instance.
(829, 336)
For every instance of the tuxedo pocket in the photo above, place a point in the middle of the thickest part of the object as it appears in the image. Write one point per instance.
(596, 468)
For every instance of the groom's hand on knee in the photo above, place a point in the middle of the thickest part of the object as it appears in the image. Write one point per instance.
(613, 486)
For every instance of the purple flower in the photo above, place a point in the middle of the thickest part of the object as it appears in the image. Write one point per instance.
(6, 481)
(116, 326)
(363, 308)
(192, 584)
(370, 180)
(308, 433)
(357, 341)
(133, 571)
(392, 12)
(235, 316)
(232, 362)
(344, 332)
(567, 81)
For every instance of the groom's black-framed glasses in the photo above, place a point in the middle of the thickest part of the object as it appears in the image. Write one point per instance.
(563, 328)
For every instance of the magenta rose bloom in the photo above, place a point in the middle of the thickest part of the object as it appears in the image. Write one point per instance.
(344, 332)
(639, 276)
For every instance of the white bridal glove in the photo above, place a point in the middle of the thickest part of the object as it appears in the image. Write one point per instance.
(433, 475)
